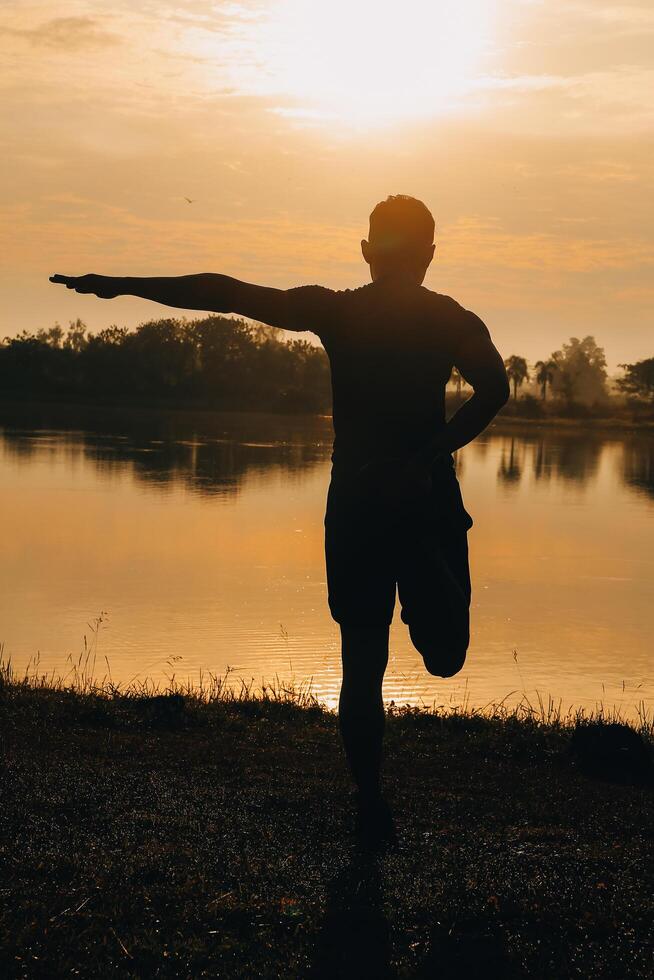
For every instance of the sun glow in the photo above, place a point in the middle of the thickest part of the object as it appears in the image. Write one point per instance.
(375, 61)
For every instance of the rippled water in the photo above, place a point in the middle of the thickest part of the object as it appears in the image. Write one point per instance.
(198, 541)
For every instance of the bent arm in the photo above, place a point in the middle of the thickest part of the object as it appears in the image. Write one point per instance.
(206, 291)
(482, 367)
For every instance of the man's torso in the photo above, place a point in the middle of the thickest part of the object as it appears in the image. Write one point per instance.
(391, 351)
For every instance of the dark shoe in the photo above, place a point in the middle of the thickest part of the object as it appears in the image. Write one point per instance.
(374, 829)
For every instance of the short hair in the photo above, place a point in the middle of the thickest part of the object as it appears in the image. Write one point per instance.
(401, 222)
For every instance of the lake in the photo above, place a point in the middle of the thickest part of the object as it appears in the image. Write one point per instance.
(181, 543)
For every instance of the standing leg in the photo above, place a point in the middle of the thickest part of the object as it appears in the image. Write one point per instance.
(361, 708)
(361, 589)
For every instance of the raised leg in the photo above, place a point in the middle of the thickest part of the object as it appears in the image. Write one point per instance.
(434, 587)
(444, 652)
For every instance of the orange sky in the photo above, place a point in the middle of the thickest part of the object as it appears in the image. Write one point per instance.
(526, 125)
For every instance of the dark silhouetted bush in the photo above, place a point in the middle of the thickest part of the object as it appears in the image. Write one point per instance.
(216, 362)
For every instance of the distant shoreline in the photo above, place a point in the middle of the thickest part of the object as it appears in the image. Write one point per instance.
(74, 413)
(560, 422)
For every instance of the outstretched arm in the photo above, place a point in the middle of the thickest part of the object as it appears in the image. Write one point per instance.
(206, 291)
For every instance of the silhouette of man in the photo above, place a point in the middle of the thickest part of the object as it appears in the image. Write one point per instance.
(394, 516)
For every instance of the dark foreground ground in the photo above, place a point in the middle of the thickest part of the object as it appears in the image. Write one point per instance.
(179, 839)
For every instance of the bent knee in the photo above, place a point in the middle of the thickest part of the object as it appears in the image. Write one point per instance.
(442, 659)
(445, 663)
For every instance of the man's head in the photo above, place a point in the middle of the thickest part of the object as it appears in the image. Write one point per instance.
(400, 241)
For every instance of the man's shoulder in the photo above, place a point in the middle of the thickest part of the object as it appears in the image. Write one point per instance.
(355, 293)
(320, 308)
(325, 294)
(441, 301)
(373, 292)
(450, 308)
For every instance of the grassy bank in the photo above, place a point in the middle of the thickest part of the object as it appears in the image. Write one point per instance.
(208, 835)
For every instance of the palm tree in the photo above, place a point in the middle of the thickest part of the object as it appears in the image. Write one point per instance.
(544, 375)
(517, 372)
(457, 379)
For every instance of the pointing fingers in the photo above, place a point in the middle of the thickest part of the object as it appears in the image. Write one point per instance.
(64, 280)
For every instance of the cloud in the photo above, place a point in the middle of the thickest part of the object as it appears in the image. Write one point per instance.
(66, 34)
(75, 231)
(78, 230)
(472, 237)
(624, 18)
(616, 99)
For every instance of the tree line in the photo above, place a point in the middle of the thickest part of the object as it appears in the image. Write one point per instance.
(214, 362)
(576, 375)
(225, 363)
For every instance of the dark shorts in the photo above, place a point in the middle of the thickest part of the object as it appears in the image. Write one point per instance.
(373, 548)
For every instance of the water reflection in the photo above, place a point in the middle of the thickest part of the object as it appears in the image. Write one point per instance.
(171, 454)
(638, 465)
(510, 469)
(569, 457)
(201, 535)
(576, 457)
(212, 455)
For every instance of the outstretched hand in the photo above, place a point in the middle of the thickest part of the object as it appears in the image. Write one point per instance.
(104, 287)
